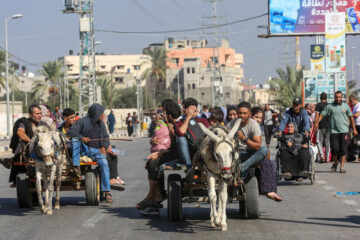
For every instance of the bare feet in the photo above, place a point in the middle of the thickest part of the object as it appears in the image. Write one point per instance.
(274, 196)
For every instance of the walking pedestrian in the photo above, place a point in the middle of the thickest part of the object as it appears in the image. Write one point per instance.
(135, 123)
(268, 123)
(339, 113)
(129, 123)
(111, 121)
(323, 132)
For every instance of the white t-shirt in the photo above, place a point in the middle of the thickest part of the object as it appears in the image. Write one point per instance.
(355, 110)
(252, 129)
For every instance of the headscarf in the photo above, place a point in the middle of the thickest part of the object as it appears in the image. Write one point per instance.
(44, 118)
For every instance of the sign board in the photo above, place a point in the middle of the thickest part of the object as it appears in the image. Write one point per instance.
(317, 57)
(308, 16)
(335, 59)
(316, 82)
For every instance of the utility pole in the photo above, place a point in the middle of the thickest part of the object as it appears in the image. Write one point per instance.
(87, 71)
(216, 82)
(178, 87)
(298, 54)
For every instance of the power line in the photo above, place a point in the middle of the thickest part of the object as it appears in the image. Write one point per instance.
(22, 60)
(184, 30)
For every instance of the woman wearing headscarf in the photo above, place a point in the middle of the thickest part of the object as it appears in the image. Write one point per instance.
(294, 149)
(45, 115)
(111, 121)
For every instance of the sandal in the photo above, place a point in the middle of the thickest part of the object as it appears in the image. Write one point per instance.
(287, 176)
(148, 203)
(117, 186)
(342, 170)
(108, 197)
(334, 167)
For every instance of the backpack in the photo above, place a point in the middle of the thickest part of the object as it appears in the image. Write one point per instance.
(194, 134)
(14, 142)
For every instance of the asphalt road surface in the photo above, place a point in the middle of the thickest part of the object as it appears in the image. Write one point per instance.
(307, 212)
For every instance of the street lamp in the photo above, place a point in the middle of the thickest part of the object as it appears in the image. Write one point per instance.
(18, 15)
(138, 97)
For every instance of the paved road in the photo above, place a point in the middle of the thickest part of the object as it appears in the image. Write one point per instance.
(307, 212)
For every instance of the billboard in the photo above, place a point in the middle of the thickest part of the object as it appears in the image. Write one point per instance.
(308, 16)
(317, 57)
(335, 58)
(316, 82)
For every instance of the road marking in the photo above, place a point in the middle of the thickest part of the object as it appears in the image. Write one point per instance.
(93, 220)
(350, 202)
(320, 182)
(329, 188)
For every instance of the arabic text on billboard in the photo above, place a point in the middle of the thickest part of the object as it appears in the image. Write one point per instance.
(308, 16)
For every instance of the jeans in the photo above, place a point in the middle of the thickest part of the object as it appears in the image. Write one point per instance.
(323, 137)
(252, 158)
(94, 153)
(183, 151)
(79, 149)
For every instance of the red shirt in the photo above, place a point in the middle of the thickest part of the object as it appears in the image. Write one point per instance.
(198, 119)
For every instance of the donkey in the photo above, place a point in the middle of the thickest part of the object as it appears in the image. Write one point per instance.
(49, 146)
(219, 154)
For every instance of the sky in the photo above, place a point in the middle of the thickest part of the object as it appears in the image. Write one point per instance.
(45, 34)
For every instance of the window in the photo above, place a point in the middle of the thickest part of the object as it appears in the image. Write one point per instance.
(136, 67)
(193, 70)
(189, 86)
(193, 85)
(102, 66)
(188, 70)
(202, 94)
(119, 79)
(120, 67)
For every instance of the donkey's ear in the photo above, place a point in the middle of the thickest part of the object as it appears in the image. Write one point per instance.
(53, 126)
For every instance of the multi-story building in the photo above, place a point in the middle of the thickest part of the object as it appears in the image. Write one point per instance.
(189, 68)
(123, 69)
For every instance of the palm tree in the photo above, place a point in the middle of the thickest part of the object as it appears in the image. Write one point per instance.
(287, 85)
(53, 73)
(156, 74)
(104, 83)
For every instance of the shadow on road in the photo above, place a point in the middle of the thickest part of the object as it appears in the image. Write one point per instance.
(9, 206)
(349, 219)
(195, 220)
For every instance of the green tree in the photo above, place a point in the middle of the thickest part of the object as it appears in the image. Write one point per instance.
(352, 88)
(287, 85)
(53, 72)
(125, 98)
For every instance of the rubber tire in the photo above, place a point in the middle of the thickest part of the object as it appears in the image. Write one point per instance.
(252, 200)
(174, 200)
(24, 196)
(92, 187)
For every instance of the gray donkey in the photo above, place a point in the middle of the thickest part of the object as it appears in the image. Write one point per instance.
(49, 146)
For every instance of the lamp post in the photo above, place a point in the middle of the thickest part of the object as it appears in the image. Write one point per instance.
(7, 73)
(138, 92)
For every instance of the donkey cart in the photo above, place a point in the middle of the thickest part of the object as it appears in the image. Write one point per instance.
(26, 181)
(180, 189)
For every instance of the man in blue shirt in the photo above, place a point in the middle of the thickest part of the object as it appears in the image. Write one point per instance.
(298, 115)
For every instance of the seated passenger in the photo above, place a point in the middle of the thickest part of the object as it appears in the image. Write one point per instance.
(249, 144)
(294, 153)
(188, 131)
(82, 132)
(23, 131)
(216, 117)
(267, 177)
(155, 196)
(231, 113)
(69, 120)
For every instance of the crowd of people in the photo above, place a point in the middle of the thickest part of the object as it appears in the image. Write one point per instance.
(176, 137)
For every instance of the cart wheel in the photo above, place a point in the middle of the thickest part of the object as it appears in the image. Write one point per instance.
(24, 196)
(92, 187)
(174, 200)
(35, 199)
(250, 205)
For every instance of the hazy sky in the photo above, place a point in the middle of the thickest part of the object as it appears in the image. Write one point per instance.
(45, 34)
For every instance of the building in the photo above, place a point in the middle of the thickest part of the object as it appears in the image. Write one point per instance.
(122, 69)
(258, 94)
(189, 69)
